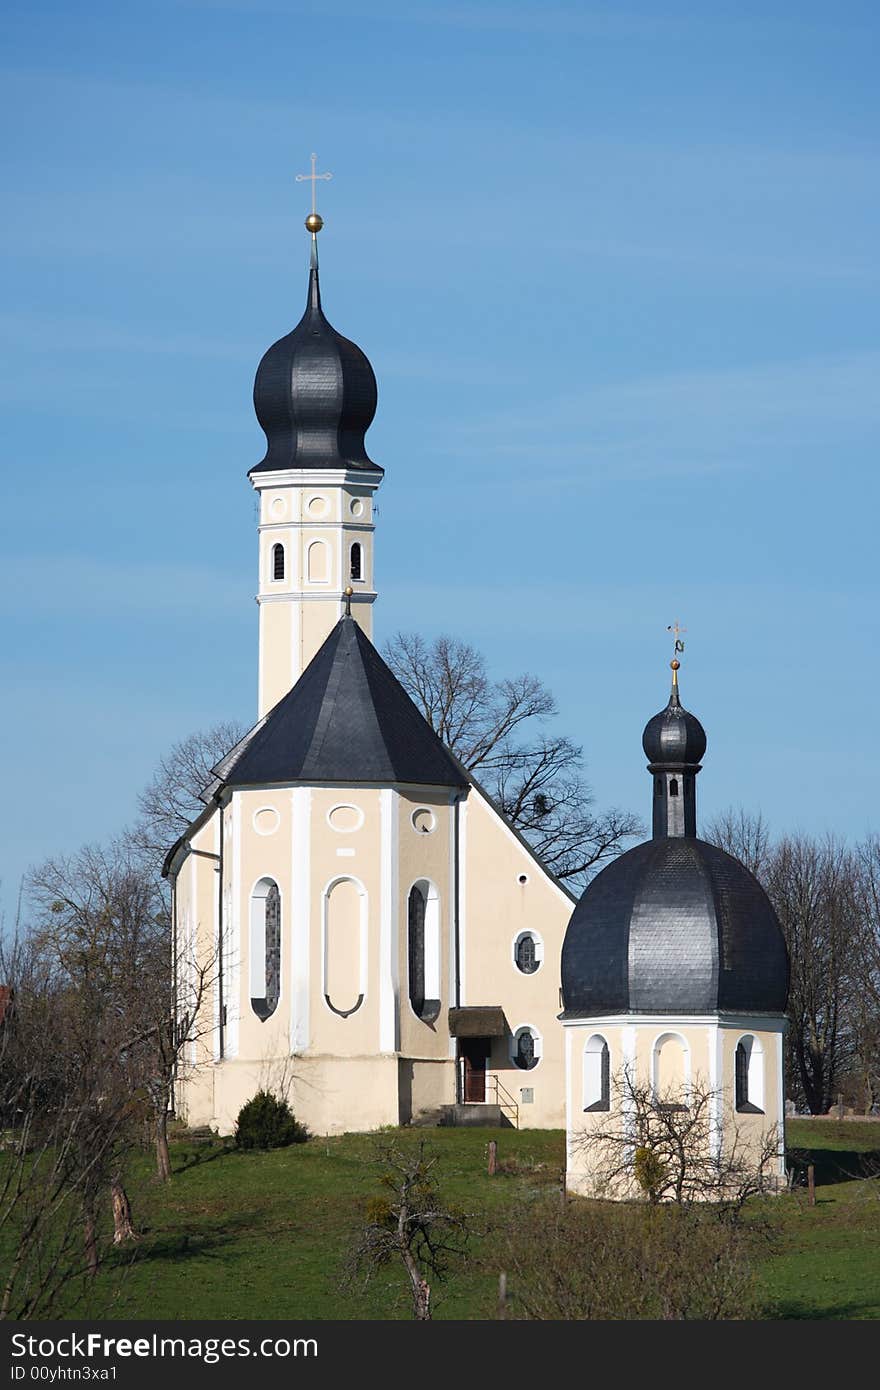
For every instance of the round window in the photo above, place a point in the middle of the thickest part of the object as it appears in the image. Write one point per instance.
(424, 821)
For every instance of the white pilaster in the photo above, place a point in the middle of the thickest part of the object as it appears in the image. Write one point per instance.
(389, 933)
(300, 917)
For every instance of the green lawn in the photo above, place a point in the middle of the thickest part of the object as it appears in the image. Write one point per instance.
(264, 1235)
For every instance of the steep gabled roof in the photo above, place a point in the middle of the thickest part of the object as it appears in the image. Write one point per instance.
(348, 719)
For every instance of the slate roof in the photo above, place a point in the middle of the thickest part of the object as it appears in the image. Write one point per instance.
(348, 719)
(674, 926)
(674, 737)
(315, 396)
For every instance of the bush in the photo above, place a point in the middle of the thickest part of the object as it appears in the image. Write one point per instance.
(267, 1122)
(591, 1260)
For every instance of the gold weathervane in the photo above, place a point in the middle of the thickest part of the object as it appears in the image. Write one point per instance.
(314, 222)
(676, 629)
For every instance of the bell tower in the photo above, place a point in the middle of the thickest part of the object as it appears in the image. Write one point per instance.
(315, 398)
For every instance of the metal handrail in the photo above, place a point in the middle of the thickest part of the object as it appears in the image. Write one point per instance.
(503, 1099)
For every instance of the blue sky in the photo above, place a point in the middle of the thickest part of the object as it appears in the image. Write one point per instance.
(616, 271)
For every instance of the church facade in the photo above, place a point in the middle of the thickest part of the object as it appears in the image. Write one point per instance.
(358, 926)
(356, 923)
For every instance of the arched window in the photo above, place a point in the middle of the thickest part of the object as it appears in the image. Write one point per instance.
(265, 952)
(673, 786)
(597, 1074)
(749, 1076)
(658, 786)
(278, 562)
(526, 1048)
(528, 952)
(346, 918)
(357, 565)
(672, 1071)
(423, 950)
(317, 566)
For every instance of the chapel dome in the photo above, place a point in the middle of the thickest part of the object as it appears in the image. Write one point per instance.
(315, 395)
(674, 926)
(674, 737)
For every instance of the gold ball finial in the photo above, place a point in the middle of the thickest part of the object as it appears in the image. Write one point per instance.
(314, 223)
(348, 591)
(676, 665)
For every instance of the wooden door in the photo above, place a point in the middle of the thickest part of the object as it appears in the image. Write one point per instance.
(474, 1054)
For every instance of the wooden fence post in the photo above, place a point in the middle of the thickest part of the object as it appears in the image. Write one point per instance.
(493, 1159)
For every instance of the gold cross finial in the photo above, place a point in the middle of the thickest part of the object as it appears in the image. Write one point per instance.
(314, 221)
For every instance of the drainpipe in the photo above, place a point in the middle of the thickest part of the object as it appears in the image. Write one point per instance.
(456, 897)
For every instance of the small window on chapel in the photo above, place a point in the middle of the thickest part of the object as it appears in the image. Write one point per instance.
(357, 565)
(526, 1049)
(658, 786)
(749, 1077)
(278, 562)
(527, 953)
(673, 786)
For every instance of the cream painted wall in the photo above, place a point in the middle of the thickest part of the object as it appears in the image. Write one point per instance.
(372, 844)
(498, 905)
(709, 1061)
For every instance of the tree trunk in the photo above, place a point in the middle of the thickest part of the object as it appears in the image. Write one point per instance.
(420, 1291)
(90, 1242)
(163, 1158)
(122, 1228)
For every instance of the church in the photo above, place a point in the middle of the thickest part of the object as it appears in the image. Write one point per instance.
(356, 923)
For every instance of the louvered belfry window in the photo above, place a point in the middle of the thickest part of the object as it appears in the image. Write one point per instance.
(278, 562)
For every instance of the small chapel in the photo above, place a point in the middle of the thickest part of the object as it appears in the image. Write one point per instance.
(357, 924)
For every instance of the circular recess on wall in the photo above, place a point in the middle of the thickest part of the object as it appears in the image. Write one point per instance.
(523, 878)
(357, 507)
(345, 819)
(278, 508)
(266, 820)
(317, 506)
(424, 820)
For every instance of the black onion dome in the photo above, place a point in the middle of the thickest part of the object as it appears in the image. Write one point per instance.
(674, 926)
(315, 396)
(674, 736)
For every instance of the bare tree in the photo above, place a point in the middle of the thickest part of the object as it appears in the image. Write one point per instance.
(744, 835)
(100, 919)
(827, 898)
(667, 1147)
(171, 800)
(813, 886)
(498, 731)
(861, 1081)
(410, 1223)
(67, 1125)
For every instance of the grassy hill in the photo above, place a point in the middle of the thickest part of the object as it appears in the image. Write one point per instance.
(265, 1235)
